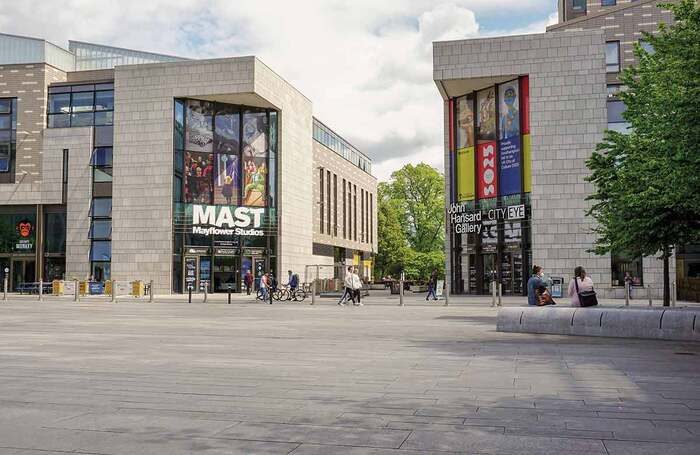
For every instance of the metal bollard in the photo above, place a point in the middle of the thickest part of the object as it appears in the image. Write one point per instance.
(150, 293)
(41, 289)
(313, 293)
(205, 292)
(627, 294)
(189, 290)
(4, 288)
(401, 290)
(649, 294)
(229, 294)
(447, 295)
(673, 294)
(500, 294)
(493, 294)
(75, 297)
(114, 291)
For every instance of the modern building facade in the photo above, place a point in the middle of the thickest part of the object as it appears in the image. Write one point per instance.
(122, 164)
(522, 114)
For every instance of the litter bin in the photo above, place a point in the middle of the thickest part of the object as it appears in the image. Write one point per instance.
(57, 287)
(137, 288)
(108, 287)
(395, 287)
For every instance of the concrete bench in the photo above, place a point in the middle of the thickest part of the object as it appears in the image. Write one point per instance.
(655, 323)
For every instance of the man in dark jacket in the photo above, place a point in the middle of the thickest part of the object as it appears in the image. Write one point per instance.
(248, 281)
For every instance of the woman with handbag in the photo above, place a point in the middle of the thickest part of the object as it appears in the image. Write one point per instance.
(581, 289)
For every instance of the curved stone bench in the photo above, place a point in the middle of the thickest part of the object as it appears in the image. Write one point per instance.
(655, 323)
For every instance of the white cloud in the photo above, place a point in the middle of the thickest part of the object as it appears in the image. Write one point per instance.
(366, 64)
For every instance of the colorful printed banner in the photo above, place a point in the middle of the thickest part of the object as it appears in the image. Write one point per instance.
(465, 174)
(487, 175)
(525, 129)
(509, 134)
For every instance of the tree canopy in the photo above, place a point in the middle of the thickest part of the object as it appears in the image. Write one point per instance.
(411, 229)
(647, 181)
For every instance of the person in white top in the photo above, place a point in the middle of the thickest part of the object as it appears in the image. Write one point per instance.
(348, 292)
(356, 287)
(584, 284)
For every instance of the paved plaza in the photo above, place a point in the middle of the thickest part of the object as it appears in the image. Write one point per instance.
(176, 378)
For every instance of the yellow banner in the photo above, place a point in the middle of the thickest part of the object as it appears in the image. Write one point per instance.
(465, 174)
(527, 164)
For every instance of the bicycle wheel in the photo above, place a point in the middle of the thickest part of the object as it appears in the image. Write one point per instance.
(284, 294)
(299, 295)
(278, 294)
(259, 295)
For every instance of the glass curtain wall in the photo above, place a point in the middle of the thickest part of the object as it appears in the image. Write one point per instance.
(225, 156)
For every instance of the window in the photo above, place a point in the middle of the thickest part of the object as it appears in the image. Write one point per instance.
(328, 201)
(612, 57)
(354, 212)
(362, 215)
(102, 156)
(8, 125)
(80, 105)
(320, 199)
(101, 250)
(345, 227)
(579, 6)
(622, 266)
(335, 205)
(616, 108)
(101, 208)
(101, 229)
(648, 48)
(608, 2)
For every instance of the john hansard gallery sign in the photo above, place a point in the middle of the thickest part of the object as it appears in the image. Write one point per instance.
(464, 221)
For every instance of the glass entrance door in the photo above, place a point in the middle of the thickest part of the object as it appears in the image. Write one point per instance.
(22, 271)
(225, 275)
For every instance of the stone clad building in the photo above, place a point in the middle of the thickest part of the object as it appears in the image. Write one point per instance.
(522, 114)
(122, 164)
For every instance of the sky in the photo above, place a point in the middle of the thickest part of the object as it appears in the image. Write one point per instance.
(366, 65)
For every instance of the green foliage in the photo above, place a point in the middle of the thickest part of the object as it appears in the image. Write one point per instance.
(411, 228)
(647, 182)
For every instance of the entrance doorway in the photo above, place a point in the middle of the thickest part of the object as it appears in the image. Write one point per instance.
(22, 271)
(225, 273)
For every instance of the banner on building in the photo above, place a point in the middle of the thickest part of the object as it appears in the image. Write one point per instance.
(465, 174)
(509, 156)
(525, 130)
(487, 175)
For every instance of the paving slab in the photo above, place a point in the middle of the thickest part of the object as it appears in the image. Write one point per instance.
(176, 378)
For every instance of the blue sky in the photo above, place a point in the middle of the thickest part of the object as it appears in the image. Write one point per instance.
(365, 64)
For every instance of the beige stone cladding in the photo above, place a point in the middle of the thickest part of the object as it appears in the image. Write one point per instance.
(567, 118)
(27, 83)
(624, 23)
(78, 141)
(143, 156)
(342, 233)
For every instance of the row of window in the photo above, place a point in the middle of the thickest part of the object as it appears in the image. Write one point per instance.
(329, 206)
(325, 136)
(612, 54)
(8, 127)
(80, 105)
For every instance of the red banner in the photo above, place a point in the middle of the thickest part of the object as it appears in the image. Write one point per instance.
(525, 105)
(487, 174)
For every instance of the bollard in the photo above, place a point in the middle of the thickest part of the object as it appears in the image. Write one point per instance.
(114, 291)
(401, 290)
(41, 289)
(189, 291)
(649, 294)
(313, 292)
(627, 294)
(493, 294)
(447, 295)
(150, 292)
(75, 297)
(673, 294)
(229, 294)
(500, 294)
(4, 288)
(205, 292)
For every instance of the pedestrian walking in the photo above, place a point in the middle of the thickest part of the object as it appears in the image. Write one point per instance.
(248, 281)
(628, 282)
(264, 286)
(580, 285)
(347, 289)
(432, 285)
(356, 287)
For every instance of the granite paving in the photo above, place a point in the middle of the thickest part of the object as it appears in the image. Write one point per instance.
(172, 377)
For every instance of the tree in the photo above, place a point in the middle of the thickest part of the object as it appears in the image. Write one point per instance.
(410, 228)
(419, 193)
(646, 196)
